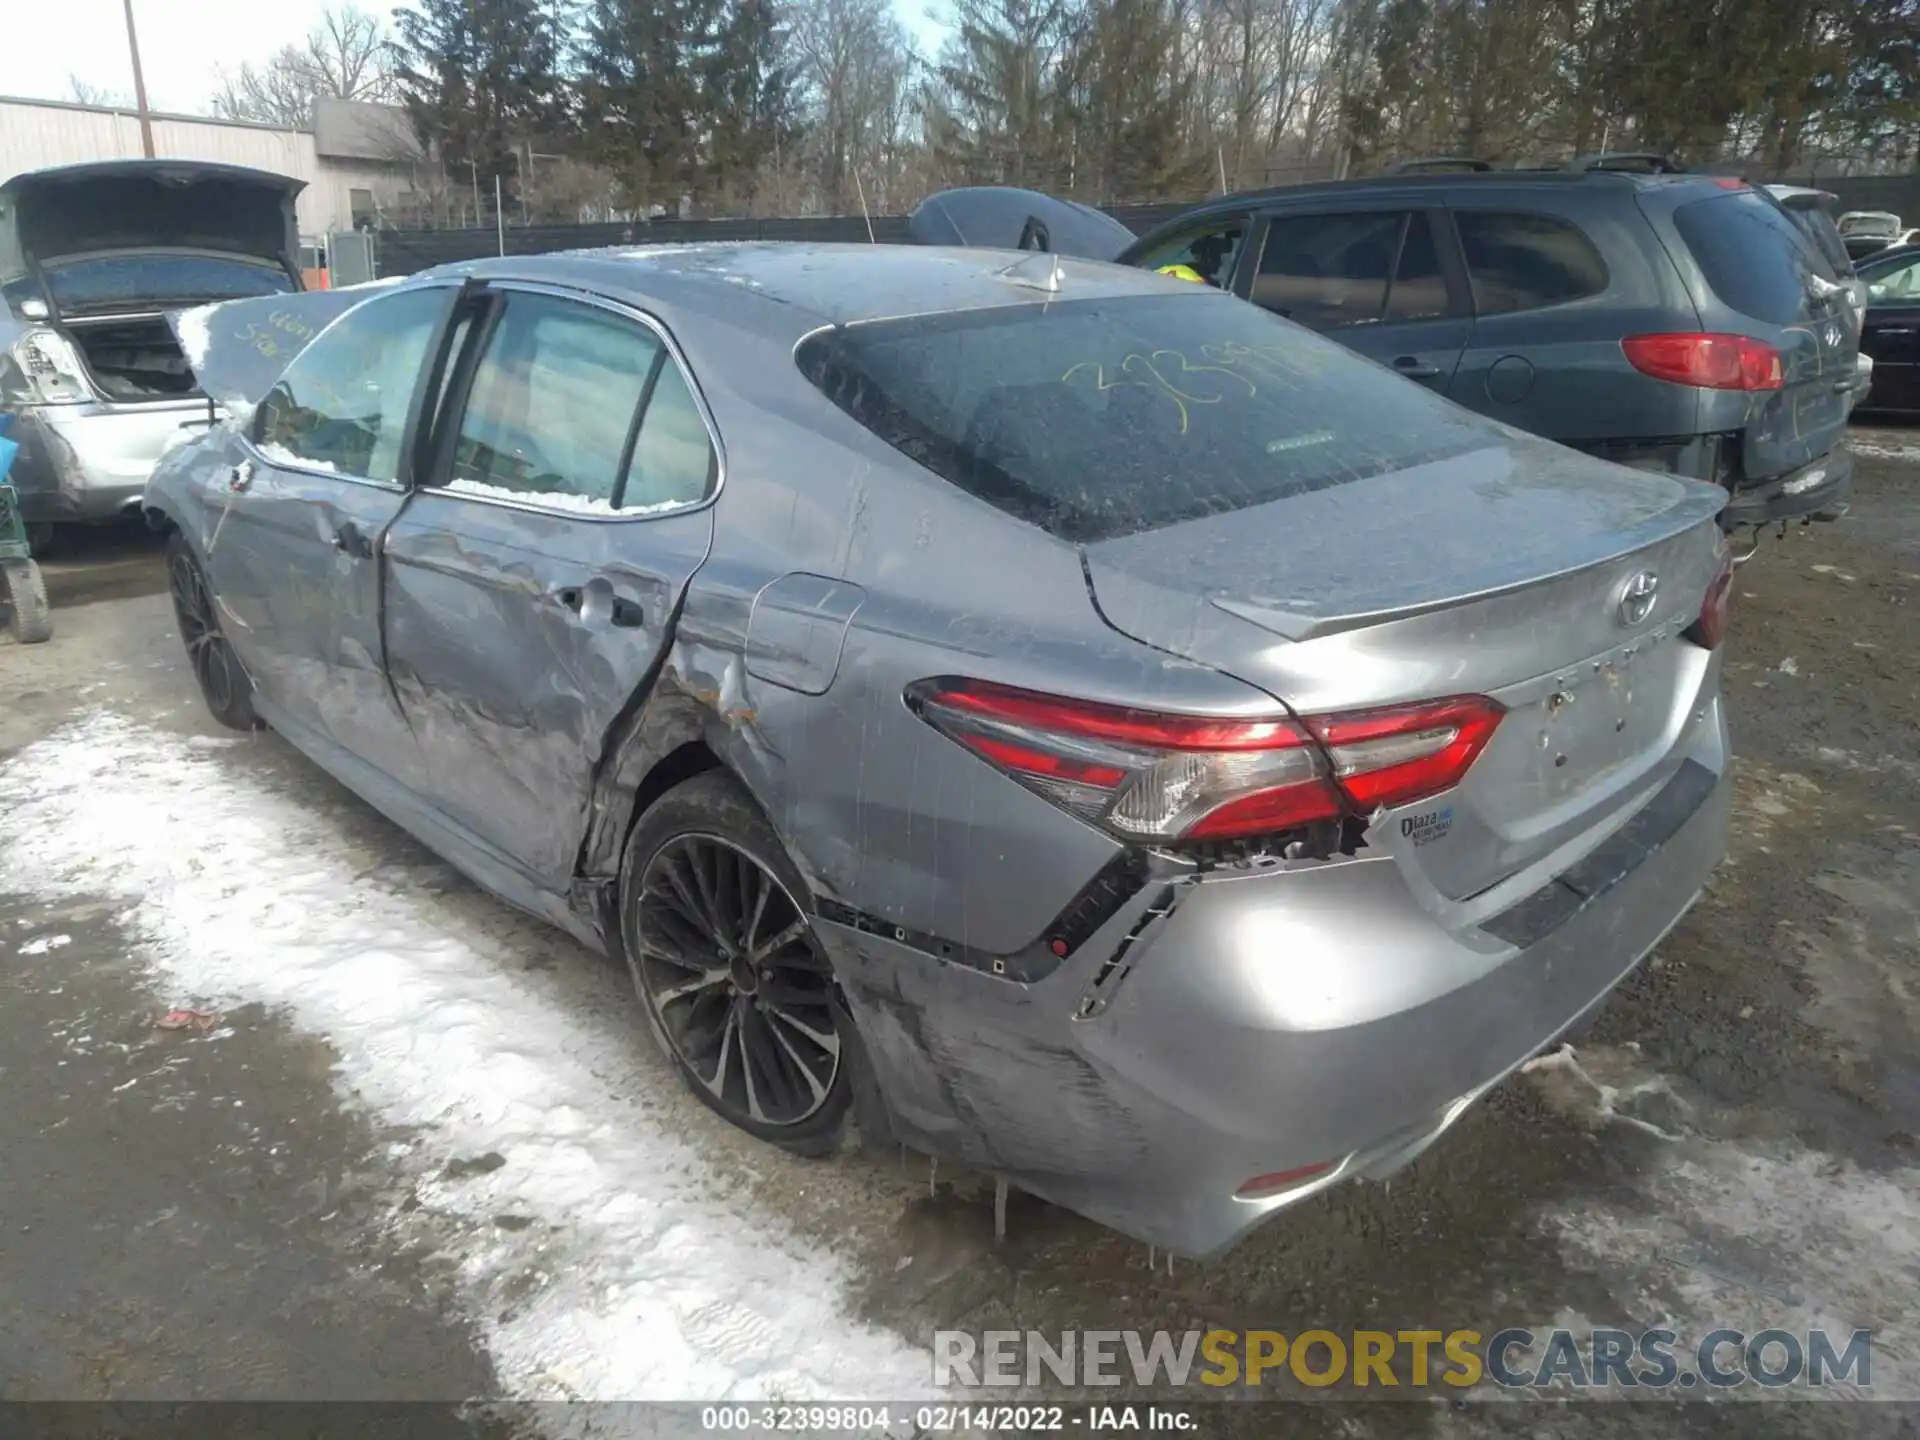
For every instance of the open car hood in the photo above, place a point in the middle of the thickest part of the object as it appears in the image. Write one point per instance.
(49, 215)
(999, 217)
(238, 348)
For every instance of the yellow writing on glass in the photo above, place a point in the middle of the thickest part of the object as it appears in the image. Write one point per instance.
(1169, 373)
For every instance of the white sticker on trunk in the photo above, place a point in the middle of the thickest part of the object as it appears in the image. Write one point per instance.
(1427, 826)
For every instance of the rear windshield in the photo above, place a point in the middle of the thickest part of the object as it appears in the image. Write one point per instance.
(1754, 255)
(1098, 418)
(115, 282)
(1819, 224)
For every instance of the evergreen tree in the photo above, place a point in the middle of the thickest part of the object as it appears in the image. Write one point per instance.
(747, 94)
(478, 77)
(644, 70)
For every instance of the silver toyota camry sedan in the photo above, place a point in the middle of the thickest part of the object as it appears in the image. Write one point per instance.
(1056, 717)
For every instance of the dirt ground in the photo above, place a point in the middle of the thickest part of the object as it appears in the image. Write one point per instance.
(240, 1212)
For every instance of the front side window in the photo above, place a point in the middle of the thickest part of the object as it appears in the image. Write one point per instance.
(1209, 253)
(1330, 271)
(552, 412)
(1099, 418)
(341, 405)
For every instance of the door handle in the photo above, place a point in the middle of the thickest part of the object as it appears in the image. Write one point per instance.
(1414, 368)
(350, 539)
(597, 601)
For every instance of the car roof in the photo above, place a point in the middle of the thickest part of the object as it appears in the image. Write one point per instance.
(1883, 259)
(1436, 184)
(793, 287)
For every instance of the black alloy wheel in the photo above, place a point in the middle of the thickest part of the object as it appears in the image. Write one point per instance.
(728, 965)
(223, 681)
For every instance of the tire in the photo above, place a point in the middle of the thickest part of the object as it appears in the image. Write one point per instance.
(706, 892)
(223, 681)
(28, 614)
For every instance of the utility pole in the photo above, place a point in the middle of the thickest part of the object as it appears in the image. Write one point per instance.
(139, 85)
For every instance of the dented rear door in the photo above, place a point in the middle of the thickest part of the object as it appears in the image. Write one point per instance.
(533, 584)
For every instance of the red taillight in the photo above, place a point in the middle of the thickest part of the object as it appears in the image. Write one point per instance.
(1149, 776)
(1713, 362)
(1711, 628)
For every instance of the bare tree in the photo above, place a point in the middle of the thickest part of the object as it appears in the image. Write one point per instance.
(343, 58)
(348, 52)
(856, 69)
(85, 92)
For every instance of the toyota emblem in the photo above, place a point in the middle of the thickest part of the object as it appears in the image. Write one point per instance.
(1637, 597)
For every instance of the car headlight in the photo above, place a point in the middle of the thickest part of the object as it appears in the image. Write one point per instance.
(42, 368)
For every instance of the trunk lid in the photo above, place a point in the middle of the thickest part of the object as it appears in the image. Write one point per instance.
(130, 206)
(1763, 274)
(1504, 571)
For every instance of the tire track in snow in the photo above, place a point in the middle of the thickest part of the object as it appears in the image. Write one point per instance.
(653, 1283)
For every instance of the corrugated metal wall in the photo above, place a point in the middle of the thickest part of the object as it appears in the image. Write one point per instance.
(37, 134)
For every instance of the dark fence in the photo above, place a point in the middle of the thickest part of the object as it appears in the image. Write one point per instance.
(402, 252)
(1898, 193)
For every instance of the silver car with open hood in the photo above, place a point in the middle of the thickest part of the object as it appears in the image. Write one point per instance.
(92, 259)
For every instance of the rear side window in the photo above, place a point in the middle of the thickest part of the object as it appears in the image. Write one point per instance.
(1755, 258)
(1331, 271)
(551, 414)
(1520, 261)
(1098, 418)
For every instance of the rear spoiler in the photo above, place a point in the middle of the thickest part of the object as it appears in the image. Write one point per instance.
(238, 348)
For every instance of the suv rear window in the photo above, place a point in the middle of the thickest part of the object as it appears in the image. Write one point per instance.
(1099, 418)
(1753, 254)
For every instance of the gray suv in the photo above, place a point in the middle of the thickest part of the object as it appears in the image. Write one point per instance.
(1667, 321)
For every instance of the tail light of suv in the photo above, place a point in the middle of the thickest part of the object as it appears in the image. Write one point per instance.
(1147, 776)
(1712, 362)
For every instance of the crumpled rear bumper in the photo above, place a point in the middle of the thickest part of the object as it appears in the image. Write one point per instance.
(1260, 1022)
(91, 462)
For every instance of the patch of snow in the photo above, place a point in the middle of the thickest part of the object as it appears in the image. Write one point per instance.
(1749, 1234)
(1789, 666)
(642, 1277)
(1897, 450)
(41, 944)
(280, 455)
(195, 338)
(555, 500)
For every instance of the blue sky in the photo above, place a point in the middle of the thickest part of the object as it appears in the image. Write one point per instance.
(185, 43)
